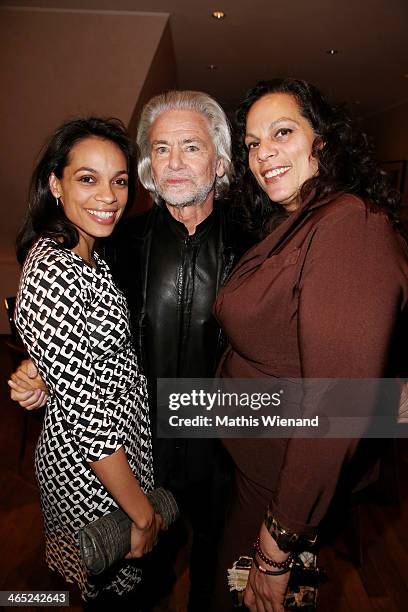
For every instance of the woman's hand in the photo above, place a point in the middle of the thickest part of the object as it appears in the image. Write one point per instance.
(115, 474)
(266, 593)
(142, 540)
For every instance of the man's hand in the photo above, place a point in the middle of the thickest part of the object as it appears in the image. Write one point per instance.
(27, 387)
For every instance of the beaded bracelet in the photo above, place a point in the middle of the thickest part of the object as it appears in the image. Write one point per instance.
(263, 570)
(271, 562)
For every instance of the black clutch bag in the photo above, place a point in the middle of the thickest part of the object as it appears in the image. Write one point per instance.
(107, 539)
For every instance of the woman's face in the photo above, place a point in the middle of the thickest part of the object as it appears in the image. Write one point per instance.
(279, 141)
(93, 189)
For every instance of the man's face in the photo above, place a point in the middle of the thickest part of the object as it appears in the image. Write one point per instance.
(183, 158)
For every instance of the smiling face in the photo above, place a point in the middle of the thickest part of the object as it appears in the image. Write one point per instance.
(93, 189)
(183, 158)
(279, 141)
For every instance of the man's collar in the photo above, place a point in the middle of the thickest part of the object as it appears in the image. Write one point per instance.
(192, 217)
(200, 228)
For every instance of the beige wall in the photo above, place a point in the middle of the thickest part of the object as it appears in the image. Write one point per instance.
(58, 64)
(162, 76)
(390, 133)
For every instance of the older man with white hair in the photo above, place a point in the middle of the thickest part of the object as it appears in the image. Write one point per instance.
(170, 263)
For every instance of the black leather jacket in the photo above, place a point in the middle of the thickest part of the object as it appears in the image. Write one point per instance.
(170, 280)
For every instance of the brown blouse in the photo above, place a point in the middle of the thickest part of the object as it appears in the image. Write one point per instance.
(323, 296)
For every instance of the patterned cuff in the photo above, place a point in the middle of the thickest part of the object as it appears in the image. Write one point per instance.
(286, 540)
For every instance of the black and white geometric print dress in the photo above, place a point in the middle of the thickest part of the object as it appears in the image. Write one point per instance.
(75, 325)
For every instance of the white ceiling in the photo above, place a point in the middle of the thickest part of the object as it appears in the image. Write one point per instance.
(262, 39)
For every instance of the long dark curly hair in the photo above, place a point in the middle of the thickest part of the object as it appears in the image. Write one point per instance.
(345, 162)
(43, 217)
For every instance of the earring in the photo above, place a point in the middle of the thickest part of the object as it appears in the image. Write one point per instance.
(57, 200)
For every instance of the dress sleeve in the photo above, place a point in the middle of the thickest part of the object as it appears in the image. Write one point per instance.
(351, 296)
(51, 316)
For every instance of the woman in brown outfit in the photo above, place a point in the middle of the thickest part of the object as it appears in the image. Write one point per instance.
(322, 295)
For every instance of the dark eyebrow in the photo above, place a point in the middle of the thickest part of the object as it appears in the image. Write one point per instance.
(274, 124)
(93, 171)
(85, 169)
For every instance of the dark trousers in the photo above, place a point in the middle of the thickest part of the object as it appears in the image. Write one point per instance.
(202, 507)
(121, 603)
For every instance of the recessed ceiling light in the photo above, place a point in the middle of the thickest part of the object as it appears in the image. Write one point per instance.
(218, 14)
(331, 51)
(212, 67)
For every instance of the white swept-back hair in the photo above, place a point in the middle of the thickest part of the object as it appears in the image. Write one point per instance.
(185, 100)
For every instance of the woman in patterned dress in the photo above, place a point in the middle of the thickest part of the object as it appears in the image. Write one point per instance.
(94, 451)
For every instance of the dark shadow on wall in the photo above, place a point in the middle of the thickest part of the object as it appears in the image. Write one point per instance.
(162, 76)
